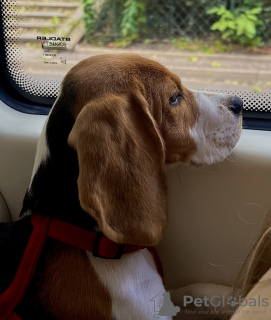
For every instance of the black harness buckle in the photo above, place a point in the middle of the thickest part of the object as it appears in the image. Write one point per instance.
(96, 246)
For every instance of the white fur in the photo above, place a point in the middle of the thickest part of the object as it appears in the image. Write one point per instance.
(132, 282)
(217, 129)
(42, 151)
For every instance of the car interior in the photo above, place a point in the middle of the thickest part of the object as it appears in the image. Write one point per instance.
(216, 212)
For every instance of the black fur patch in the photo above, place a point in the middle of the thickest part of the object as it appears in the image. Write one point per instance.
(13, 240)
(14, 237)
(54, 187)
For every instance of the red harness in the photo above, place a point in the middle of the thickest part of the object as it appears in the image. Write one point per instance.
(44, 227)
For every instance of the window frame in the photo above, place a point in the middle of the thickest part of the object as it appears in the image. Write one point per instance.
(11, 94)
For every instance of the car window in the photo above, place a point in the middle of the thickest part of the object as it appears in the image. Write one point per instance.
(212, 45)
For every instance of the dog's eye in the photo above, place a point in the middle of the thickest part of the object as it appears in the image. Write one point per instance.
(176, 99)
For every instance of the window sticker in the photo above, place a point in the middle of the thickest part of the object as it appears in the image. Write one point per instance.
(52, 47)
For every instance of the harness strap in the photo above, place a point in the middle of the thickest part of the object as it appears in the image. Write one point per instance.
(15, 292)
(44, 227)
(13, 316)
(95, 242)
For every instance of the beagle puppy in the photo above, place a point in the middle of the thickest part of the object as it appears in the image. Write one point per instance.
(101, 166)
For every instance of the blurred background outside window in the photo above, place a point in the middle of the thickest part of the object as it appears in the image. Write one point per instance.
(214, 45)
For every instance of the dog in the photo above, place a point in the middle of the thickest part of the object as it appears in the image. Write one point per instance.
(100, 167)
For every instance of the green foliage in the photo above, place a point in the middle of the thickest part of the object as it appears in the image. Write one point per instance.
(88, 17)
(134, 19)
(74, 24)
(124, 21)
(239, 26)
(54, 21)
(256, 89)
(182, 43)
(120, 20)
(197, 45)
(123, 42)
(219, 47)
(192, 59)
(216, 64)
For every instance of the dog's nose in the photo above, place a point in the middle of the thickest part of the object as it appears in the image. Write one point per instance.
(237, 105)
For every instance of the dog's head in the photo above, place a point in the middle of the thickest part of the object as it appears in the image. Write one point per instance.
(118, 120)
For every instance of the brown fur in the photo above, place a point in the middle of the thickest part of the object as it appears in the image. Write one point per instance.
(125, 132)
(122, 180)
(69, 287)
(175, 129)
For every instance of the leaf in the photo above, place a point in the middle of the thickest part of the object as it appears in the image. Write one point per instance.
(223, 25)
(256, 10)
(256, 89)
(241, 25)
(250, 29)
(213, 10)
(215, 26)
(141, 6)
(222, 10)
(227, 34)
(193, 59)
(231, 25)
(228, 15)
(216, 64)
(219, 25)
(252, 17)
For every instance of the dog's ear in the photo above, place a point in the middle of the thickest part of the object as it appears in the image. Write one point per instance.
(122, 179)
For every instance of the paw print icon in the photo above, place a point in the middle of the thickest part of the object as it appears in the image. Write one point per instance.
(232, 301)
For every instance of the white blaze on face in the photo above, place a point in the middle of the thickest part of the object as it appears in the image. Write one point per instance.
(217, 130)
